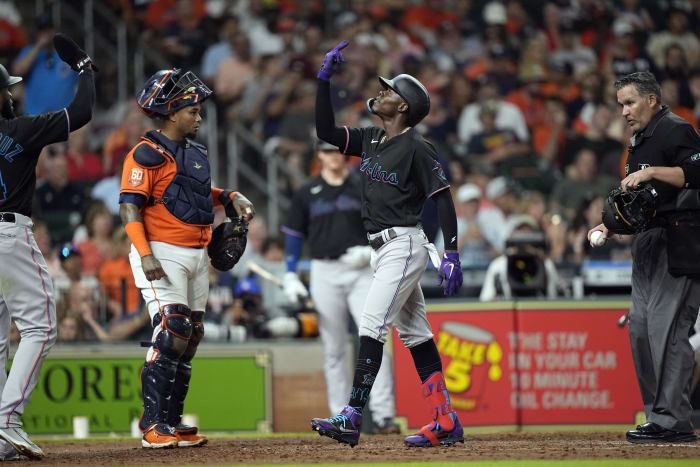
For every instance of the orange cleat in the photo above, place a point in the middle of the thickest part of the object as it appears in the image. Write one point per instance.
(187, 437)
(159, 436)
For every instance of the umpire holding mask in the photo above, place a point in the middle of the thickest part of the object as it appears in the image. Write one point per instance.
(665, 152)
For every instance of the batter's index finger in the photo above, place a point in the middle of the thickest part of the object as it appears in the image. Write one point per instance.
(342, 45)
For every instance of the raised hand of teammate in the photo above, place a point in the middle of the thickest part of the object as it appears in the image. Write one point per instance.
(331, 62)
(152, 268)
(450, 273)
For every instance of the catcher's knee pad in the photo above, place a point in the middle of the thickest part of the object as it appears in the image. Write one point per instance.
(184, 371)
(195, 337)
(175, 331)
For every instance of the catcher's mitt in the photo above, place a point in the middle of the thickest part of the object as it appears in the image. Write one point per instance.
(629, 212)
(228, 243)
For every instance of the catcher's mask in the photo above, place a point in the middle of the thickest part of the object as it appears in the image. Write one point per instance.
(629, 212)
(168, 91)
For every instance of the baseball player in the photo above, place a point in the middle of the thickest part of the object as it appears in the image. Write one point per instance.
(29, 301)
(326, 210)
(399, 171)
(665, 152)
(167, 206)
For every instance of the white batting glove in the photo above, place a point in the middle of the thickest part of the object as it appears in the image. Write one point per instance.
(293, 287)
(357, 256)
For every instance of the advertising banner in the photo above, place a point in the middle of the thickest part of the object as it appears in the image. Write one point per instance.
(575, 366)
(476, 358)
(527, 363)
(226, 394)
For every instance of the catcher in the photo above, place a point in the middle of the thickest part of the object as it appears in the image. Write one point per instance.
(167, 207)
(658, 202)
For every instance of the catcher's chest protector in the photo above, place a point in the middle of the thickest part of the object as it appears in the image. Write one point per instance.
(188, 195)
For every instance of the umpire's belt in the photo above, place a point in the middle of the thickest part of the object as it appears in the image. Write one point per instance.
(380, 238)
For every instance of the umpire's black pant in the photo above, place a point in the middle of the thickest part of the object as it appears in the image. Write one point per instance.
(664, 309)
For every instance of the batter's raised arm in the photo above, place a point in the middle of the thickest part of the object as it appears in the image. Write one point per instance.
(325, 119)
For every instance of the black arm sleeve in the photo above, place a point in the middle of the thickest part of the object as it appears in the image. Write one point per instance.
(80, 109)
(325, 120)
(448, 218)
(691, 172)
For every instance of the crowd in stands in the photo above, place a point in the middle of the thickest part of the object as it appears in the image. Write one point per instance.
(523, 113)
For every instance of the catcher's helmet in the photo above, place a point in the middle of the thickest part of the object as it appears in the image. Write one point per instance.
(6, 80)
(629, 212)
(412, 92)
(170, 90)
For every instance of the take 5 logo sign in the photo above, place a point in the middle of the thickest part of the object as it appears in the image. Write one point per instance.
(475, 350)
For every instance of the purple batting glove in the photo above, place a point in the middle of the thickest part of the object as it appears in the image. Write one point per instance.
(331, 62)
(451, 272)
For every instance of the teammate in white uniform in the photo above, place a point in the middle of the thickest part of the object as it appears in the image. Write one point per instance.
(326, 211)
(26, 290)
(167, 207)
(399, 171)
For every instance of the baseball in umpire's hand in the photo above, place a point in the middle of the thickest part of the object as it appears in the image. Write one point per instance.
(331, 62)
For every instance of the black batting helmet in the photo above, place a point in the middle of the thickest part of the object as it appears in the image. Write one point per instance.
(412, 92)
(6, 80)
(170, 90)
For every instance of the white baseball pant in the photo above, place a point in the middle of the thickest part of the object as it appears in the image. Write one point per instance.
(27, 298)
(395, 298)
(187, 280)
(336, 289)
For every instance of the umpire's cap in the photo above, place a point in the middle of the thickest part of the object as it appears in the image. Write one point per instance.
(168, 91)
(6, 80)
(413, 92)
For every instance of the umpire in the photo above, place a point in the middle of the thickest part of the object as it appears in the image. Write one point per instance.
(664, 151)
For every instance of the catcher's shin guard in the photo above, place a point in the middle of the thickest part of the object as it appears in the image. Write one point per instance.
(445, 429)
(158, 374)
(186, 435)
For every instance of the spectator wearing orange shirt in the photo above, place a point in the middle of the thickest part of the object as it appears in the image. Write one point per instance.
(97, 248)
(527, 97)
(116, 280)
(422, 21)
(670, 96)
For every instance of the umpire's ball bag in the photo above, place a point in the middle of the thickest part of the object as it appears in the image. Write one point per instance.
(683, 246)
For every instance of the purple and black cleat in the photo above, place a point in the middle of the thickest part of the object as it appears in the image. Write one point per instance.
(433, 434)
(344, 427)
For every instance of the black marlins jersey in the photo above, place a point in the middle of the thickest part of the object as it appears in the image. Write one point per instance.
(21, 142)
(668, 141)
(328, 216)
(398, 175)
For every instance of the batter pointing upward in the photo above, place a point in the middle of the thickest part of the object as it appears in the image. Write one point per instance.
(399, 171)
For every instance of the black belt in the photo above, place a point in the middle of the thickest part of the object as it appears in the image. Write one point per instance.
(7, 217)
(378, 241)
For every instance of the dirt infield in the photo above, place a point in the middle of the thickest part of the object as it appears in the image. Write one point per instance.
(313, 450)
